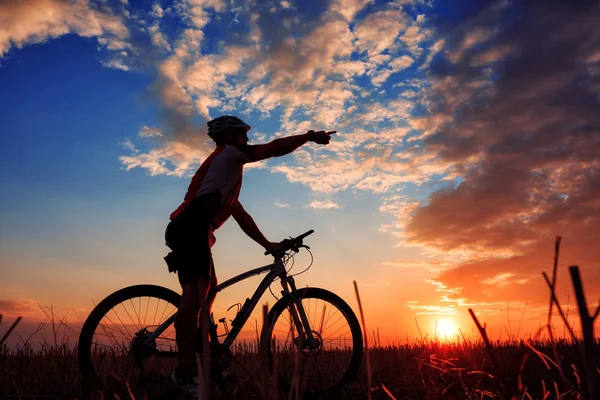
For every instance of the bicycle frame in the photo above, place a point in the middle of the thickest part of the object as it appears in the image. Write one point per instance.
(275, 270)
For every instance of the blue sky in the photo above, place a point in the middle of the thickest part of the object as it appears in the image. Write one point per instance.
(428, 196)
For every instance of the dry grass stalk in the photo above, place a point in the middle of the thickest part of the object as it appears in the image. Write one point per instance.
(488, 348)
(590, 358)
(9, 329)
(557, 358)
(555, 300)
(554, 270)
(265, 368)
(549, 325)
(367, 356)
(387, 392)
(588, 352)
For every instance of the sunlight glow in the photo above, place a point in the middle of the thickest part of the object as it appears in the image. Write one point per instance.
(446, 328)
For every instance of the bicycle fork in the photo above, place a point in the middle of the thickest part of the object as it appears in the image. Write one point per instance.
(298, 315)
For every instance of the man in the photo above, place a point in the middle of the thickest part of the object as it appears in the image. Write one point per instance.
(212, 197)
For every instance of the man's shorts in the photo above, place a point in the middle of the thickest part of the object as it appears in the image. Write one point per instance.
(190, 236)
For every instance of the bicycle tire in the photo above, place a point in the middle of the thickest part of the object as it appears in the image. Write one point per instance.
(92, 383)
(353, 367)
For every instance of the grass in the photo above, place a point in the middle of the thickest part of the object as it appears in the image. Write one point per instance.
(419, 370)
(425, 369)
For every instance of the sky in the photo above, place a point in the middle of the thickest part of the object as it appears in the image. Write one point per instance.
(468, 137)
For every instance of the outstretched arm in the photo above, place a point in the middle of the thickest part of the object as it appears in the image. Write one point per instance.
(249, 227)
(286, 145)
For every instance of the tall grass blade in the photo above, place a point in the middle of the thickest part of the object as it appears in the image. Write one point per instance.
(590, 358)
(554, 269)
(9, 330)
(367, 356)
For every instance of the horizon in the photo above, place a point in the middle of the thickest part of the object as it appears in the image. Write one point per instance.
(464, 146)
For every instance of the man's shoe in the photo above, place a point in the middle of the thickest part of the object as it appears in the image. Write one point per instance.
(187, 384)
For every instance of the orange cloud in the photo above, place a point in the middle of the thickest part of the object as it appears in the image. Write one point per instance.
(17, 307)
(517, 130)
(23, 23)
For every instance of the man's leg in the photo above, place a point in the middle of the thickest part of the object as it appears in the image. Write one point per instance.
(208, 300)
(194, 277)
(212, 284)
(193, 299)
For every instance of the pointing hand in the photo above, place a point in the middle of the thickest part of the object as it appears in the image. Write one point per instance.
(321, 137)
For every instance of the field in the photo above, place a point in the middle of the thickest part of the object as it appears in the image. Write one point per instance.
(470, 368)
(426, 370)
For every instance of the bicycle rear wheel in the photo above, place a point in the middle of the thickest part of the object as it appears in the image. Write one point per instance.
(112, 355)
(320, 372)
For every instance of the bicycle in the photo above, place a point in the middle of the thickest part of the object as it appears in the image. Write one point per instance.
(113, 359)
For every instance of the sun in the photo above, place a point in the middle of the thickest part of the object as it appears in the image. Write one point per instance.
(446, 328)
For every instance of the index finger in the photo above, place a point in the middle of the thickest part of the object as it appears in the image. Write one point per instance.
(331, 132)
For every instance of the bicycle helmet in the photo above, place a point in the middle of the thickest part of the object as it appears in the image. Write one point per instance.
(224, 123)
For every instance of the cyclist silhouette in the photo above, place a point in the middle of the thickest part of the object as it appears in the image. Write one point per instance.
(212, 197)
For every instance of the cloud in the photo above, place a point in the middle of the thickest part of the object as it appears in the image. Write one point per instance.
(147, 131)
(190, 83)
(492, 55)
(347, 8)
(396, 65)
(517, 126)
(116, 64)
(430, 265)
(379, 30)
(195, 12)
(157, 11)
(422, 309)
(304, 72)
(472, 38)
(174, 157)
(128, 145)
(24, 23)
(158, 39)
(282, 205)
(415, 35)
(317, 181)
(323, 205)
(500, 280)
(17, 307)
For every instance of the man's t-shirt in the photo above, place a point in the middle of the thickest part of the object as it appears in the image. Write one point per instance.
(221, 172)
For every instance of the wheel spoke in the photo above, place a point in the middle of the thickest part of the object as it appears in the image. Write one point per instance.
(162, 315)
(116, 328)
(129, 315)
(331, 316)
(328, 316)
(122, 323)
(337, 330)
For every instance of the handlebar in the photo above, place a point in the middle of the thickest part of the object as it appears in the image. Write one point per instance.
(289, 244)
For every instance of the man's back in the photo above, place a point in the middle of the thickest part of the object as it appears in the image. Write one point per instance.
(220, 173)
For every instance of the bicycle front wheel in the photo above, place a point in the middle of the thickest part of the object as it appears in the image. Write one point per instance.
(113, 356)
(320, 371)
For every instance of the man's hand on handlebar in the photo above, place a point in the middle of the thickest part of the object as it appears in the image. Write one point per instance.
(272, 246)
(288, 244)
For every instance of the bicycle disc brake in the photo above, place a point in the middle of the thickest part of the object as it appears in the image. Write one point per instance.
(138, 348)
(303, 347)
